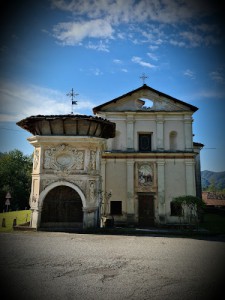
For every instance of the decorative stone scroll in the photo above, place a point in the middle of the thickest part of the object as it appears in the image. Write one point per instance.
(63, 158)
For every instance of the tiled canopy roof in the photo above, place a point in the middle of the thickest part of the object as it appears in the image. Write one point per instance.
(73, 125)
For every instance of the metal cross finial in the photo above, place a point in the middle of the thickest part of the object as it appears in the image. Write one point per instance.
(72, 95)
(143, 77)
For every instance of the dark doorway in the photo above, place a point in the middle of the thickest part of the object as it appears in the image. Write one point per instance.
(146, 210)
(62, 207)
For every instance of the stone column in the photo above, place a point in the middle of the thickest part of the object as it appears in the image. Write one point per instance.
(188, 136)
(190, 178)
(161, 191)
(160, 133)
(130, 191)
(130, 132)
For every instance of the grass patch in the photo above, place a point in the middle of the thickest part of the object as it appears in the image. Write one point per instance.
(21, 217)
(213, 222)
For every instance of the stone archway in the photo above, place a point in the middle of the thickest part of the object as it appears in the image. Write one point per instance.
(61, 207)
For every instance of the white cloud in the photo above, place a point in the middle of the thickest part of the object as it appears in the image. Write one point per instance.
(177, 43)
(96, 72)
(194, 37)
(117, 61)
(212, 94)
(152, 56)
(189, 74)
(102, 17)
(153, 48)
(217, 76)
(138, 60)
(99, 46)
(72, 33)
(166, 11)
(21, 101)
(198, 95)
(124, 70)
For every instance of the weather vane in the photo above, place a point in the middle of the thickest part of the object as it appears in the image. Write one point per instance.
(72, 95)
(143, 77)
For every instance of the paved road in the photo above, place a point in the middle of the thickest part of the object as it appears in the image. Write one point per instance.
(43, 265)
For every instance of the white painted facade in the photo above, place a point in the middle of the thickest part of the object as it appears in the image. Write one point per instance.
(170, 162)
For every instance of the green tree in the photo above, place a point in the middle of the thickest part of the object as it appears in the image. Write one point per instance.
(212, 186)
(15, 177)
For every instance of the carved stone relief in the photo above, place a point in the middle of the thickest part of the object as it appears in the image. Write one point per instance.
(92, 191)
(63, 159)
(36, 158)
(93, 160)
(34, 198)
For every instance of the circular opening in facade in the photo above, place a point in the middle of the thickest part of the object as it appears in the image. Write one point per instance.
(148, 104)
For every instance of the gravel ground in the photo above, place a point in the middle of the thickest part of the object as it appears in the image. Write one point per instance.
(44, 265)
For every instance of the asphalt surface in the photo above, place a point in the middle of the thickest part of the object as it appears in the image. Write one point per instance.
(44, 265)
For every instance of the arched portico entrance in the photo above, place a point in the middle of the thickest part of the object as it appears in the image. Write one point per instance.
(61, 207)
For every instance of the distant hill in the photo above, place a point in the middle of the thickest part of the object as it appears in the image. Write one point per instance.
(218, 178)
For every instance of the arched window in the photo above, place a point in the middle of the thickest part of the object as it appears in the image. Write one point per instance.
(173, 140)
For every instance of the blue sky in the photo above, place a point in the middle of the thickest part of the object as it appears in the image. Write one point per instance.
(101, 48)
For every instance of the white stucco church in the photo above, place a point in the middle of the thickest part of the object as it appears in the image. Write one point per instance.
(128, 161)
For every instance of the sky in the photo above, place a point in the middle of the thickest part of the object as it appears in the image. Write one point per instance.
(101, 48)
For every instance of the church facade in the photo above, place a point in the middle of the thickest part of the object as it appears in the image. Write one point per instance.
(152, 158)
(127, 162)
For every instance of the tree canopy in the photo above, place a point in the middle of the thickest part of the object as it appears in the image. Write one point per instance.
(15, 174)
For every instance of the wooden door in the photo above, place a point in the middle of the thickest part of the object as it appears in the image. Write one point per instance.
(146, 210)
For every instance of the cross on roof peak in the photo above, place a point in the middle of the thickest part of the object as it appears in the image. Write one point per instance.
(143, 77)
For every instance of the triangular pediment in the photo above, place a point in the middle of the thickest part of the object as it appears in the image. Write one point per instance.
(139, 99)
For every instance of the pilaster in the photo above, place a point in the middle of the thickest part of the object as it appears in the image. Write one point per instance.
(130, 189)
(161, 191)
(188, 135)
(160, 133)
(130, 132)
(190, 178)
